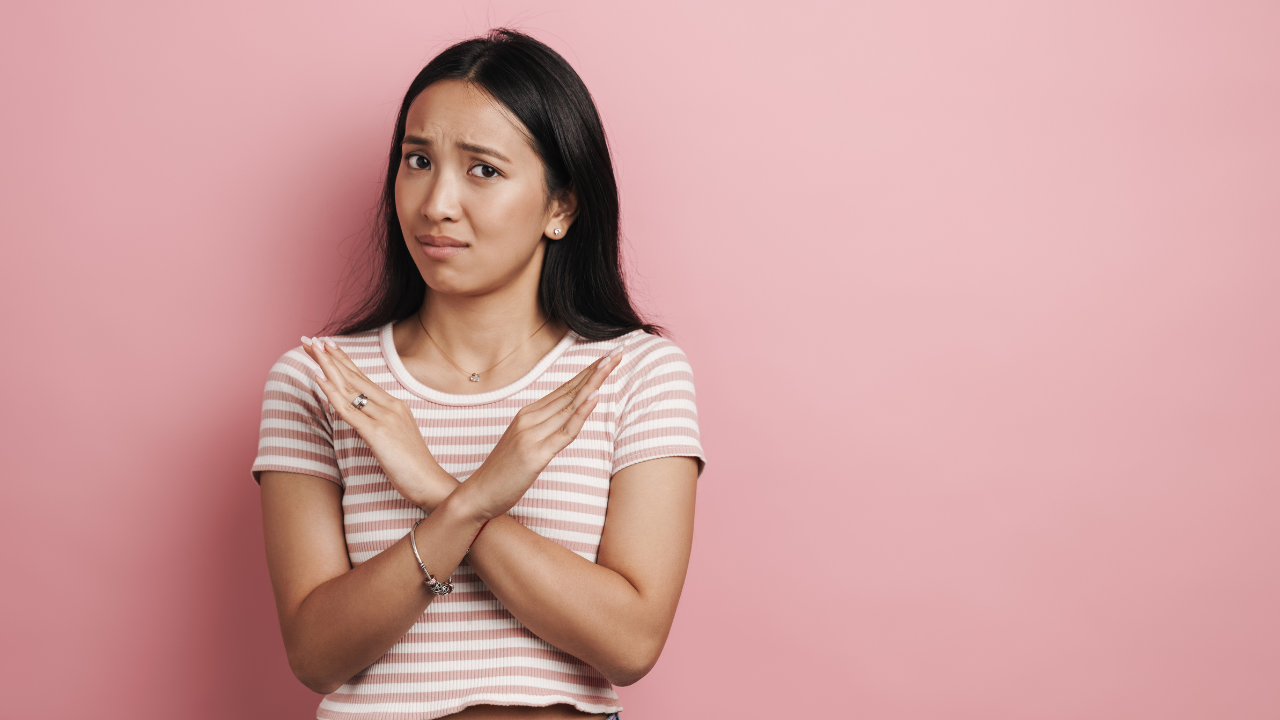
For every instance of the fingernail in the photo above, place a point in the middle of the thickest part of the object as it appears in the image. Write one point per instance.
(306, 340)
(332, 345)
(318, 344)
(593, 395)
(320, 376)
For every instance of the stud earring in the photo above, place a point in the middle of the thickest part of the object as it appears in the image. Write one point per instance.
(556, 231)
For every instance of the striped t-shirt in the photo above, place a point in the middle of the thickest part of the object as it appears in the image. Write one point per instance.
(467, 649)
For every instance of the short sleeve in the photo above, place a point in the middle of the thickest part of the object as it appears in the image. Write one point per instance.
(295, 435)
(659, 414)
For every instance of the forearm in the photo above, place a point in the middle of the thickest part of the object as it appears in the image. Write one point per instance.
(585, 609)
(348, 622)
(614, 615)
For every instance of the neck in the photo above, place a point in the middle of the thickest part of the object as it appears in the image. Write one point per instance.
(478, 325)
(498, 335)
(478, 331)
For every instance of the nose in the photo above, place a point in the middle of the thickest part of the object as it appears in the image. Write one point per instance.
(441, 203)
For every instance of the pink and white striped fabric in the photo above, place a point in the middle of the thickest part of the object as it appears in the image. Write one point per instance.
(467, 649)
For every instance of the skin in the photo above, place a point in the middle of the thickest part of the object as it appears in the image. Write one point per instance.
(469, 174)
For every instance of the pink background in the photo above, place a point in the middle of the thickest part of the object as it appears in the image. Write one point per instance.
(982, 300)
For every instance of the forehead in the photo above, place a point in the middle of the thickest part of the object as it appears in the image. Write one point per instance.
(452, 111)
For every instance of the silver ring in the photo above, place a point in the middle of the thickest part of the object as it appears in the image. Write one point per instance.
(360, 401)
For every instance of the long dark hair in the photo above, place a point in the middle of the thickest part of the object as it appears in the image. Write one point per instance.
(582, 284)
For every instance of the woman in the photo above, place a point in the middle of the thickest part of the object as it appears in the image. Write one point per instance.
(499, 348)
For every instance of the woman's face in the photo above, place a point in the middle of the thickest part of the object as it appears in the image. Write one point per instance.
(470, 193)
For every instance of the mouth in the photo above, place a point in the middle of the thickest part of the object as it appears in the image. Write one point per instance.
(440, 247)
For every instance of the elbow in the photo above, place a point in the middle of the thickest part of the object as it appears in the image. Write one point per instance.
(308, 663)
(625, 677)
(629, 674)
(322, 687)
(308, 660)
(312, 678)
(634, 662)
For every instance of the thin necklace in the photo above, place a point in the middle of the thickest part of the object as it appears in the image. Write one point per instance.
(475, 376)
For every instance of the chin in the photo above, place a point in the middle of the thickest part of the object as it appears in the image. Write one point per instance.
(473, 275)
(448, 281)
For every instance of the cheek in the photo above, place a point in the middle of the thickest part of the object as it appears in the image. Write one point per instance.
(510, 217)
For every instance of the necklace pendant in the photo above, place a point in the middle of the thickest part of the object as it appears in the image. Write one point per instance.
(475, 377)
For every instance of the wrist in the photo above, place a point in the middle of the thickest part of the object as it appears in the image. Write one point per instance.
(466, 501)
(460, 508)
(437, 486)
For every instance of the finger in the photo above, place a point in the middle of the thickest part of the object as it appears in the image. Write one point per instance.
(345, 386)
(559, 392)
(353, 373)
(343, 373)
(596, 381)
(340, 356)
(563, 399)
(557, 404)
(569, 400)
(342, 407)
(315, 348)
(570, 429)
(576, 383)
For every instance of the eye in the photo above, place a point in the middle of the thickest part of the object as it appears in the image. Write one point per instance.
(484, 171)
(417, 162)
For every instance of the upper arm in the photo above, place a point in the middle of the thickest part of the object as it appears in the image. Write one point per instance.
(305, 541)
(301, 483)
(648, 530)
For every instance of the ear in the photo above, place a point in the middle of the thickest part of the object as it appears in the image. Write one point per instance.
(563, 210)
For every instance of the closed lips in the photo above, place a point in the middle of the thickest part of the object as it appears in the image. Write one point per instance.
(439, 247)
(440, 241)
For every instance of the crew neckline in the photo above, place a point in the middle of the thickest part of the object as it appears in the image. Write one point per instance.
(386, 339)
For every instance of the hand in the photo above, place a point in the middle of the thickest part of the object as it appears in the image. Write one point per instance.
(537, 433)
(385, 423)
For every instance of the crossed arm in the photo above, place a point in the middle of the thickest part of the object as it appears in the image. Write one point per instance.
(613, 614)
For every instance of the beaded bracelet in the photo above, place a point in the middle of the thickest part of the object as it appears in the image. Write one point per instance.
(437, 587)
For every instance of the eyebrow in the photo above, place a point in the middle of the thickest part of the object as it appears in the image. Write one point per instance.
(469, 147)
